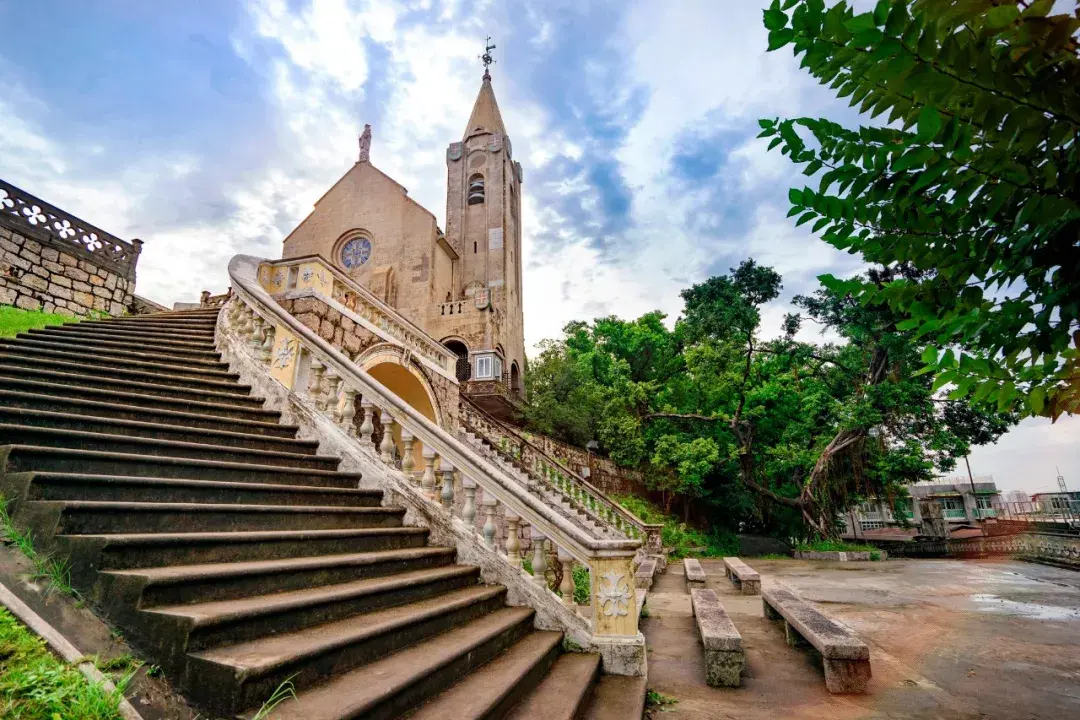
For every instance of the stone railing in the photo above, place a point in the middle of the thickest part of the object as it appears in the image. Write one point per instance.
(286, 348)
(39, 220)
(575, 489)
(207, 300)
(456, 307)
(312, 275)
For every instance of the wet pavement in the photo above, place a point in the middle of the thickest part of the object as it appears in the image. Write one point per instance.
(953, 639)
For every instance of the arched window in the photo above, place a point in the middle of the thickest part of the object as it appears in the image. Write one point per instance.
(476, 190)
(463, 370)
(515, 380)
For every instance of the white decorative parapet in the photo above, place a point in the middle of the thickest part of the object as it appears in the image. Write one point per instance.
(282, 345)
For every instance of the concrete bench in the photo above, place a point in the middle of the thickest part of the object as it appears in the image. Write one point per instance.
(846, 658)
(724, 654)
(695, 576)
(742, 576)
(643, 578)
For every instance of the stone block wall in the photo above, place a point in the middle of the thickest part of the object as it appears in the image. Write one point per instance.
(38, 275)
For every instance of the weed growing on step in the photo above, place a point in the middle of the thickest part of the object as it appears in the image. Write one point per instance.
(570, 646)
(283, 692)
(645, 612)
(56, 571)
(35, 685)
(657, 700)
(14, 321)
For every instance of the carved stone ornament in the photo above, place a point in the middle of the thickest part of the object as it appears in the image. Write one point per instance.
(454, 151)
(284, 354)
(496, 144)
(614, 595)
(482, 299)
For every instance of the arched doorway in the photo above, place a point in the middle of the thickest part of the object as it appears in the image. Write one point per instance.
(463, 370)
(515, 380)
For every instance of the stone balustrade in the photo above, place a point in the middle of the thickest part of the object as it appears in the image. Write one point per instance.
(454, 480)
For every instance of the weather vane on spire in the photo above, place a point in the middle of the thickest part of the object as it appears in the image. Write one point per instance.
(486, 57)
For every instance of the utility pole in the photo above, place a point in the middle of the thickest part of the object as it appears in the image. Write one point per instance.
(971, 479)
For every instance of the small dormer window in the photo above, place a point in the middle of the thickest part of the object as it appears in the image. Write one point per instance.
(476, 190)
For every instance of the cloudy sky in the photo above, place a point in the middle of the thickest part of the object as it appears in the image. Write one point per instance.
(210, 127)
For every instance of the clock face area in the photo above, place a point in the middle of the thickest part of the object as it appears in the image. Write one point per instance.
(356, 252)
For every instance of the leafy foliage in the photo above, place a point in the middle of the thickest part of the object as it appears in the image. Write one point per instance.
(973, 182)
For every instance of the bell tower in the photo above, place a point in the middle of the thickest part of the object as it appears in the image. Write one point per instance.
(483, 227)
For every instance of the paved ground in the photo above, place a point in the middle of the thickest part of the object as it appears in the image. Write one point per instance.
(949, 639)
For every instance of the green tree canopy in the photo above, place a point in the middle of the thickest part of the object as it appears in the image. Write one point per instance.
(971, 179)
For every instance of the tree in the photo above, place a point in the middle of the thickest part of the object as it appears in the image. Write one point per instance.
(973, 181)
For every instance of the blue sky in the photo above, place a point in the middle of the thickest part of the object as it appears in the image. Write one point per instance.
(210, 127)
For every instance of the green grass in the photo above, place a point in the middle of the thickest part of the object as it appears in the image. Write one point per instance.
(46, 567)
(838, 546)
(283, 692)
(36, 685)
(682, 539)
(14, 321)
(657, 700)
(773, 556)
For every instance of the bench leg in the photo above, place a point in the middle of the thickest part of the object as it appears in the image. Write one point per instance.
(794, 639)
(751, 587)
(770, 614)
(846, 676)
(724, 668)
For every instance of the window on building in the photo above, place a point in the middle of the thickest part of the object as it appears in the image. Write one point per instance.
(476, 190)
(483, 367)
(498, 367)
(871, 525)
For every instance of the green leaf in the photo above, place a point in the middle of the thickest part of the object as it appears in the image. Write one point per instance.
(780, 38)
(916, 157)
(775, 19)
(1037, 400)
(860, 23)
(929, 355)
(1002, 15)
(795, 196)
(929, 123)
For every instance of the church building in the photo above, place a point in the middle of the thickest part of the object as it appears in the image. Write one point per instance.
(461, 286)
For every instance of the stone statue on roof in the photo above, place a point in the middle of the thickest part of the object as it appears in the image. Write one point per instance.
(365, 144)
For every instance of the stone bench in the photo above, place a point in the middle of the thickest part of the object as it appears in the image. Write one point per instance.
(742, 576)
(695, 576)
(643, 578)
(724, 654)
(845, 657)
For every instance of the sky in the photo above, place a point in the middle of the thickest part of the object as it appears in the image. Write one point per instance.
(210, 127)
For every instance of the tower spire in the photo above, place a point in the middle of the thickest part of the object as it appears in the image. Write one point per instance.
(486, 57)
(485, 113)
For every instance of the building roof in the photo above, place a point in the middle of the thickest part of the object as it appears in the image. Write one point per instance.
(485, 113)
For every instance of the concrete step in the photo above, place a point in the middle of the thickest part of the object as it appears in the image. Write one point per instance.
(92, 342)
(193, 327)
(132, 428)
(565, 691)
(208, 321)
(47, 437)
(28, 458)
(237, 408)
(157, 385)
(249, 672)
(112, 407)
(107, 352)
(187, 584)
(75, 334)
(95, 517)
(389, 687)
(125, 551)
(490, 691)
(113, 488)
(29, 353)
(199, 336)
(206, 625)
(617, 697)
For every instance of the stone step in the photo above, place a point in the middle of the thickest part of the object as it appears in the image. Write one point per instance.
(92, 343)
(127, 551)
(126, 375)
(160, 386)
(236, 409)
(196, 327)
(249, 672)
(617, 697)
(564, 692)
(109, 351)
(490, 691)
(185, 584)
(72, 355)
(95, 517)
(48, 437)
(75, 333)
(28, 458)
(202, 626)
(208, 320)
(114, 488)
(144, 332)
(113, 408)
(389, 687)
(133, 428)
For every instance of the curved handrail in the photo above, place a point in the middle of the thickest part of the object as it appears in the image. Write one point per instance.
(576, 540)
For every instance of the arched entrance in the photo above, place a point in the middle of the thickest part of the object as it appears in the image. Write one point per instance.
(408, 384)
(515, 380)
(463, 370)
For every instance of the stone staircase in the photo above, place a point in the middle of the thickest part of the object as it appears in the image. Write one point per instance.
(238, 558)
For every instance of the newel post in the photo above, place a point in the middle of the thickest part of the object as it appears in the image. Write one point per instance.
(614, 602)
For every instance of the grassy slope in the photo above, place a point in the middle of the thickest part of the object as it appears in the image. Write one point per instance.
(682, 539)
(14, 321)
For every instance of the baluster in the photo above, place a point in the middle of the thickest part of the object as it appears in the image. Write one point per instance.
(489, 526)
(567, 586)
(348, 411)
(447, 471)
(267, 350)
(257, 336)
(427, 481)
(333, 383)
(386, 447)
(367, 427)
(247, 325)
(315, 380)
(468, 513)
(539, 563)
(407, 461)
(513, 543)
